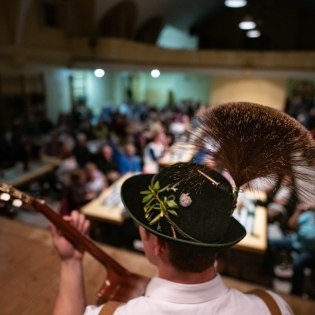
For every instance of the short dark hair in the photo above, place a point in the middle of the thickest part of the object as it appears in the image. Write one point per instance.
(190, 258)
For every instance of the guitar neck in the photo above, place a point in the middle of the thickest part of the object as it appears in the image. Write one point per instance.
(77, 239)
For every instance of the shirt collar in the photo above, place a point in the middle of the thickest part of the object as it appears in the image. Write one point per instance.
(185, 293)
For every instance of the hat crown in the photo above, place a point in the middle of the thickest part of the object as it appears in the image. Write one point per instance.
(204, 199)
(186, 203)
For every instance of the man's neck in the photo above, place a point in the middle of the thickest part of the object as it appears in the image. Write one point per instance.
(171, 274)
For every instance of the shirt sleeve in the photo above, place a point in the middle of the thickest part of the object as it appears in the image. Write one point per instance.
(304, 217)
(154, 156)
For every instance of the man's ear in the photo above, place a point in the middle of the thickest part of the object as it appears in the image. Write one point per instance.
(144, 235)
(159, 246)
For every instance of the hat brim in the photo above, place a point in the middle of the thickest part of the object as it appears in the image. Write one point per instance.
(132, 200)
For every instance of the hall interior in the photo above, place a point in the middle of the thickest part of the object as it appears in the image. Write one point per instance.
(112, 69)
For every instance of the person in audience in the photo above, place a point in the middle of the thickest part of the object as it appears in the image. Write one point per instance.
(118, 124)
(153, 151)
(128, 160)
(180, 127)
(96, 180)
(277, 209)
(67, 142)
(100, 131)
(81, 150)
(301, 243)
(67, 164)
(106, 163)
(170, 139)
(76, 194)
(52, 146)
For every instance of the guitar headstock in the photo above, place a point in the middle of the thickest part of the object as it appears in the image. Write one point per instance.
(15, 196)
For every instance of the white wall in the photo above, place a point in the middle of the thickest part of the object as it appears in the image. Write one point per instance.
(58, 98)
(265, 91)
(108, 90)
(184, 87)
(111, 89)
(173, 38)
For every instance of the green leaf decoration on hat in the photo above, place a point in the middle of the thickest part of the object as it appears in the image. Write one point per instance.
(158, 207)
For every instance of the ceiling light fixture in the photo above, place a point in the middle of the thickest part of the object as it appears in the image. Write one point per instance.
(247, 23)
(99, 73)
(253, 34)
(155, 73)
(235, 3)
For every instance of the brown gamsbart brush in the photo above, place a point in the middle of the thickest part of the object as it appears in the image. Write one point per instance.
(254, 141)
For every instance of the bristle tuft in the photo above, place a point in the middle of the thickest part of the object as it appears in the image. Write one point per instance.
(251, 141)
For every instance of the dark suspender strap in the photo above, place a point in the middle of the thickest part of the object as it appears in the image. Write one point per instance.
(268, 299)
(109, 308)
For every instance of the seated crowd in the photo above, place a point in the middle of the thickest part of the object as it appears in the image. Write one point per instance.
(95, 152)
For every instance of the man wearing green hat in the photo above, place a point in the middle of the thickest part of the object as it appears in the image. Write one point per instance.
(185, 218)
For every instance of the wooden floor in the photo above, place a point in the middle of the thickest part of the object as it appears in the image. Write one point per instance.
(29, 272)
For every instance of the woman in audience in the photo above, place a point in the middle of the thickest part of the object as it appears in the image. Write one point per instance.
(96, 181)
(153, 151)
(67, 165)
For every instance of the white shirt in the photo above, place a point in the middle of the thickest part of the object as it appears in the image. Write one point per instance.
(212, 297)
(151, 165)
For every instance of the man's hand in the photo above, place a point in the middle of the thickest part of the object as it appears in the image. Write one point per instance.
(64, 248)
(70, 299)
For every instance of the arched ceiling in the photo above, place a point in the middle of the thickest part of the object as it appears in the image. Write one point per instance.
(179, 13)
(284, 24)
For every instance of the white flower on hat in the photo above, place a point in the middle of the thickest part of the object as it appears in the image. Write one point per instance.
(185, 200)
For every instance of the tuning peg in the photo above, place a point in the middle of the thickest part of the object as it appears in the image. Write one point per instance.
(17, 203)
(5, 197)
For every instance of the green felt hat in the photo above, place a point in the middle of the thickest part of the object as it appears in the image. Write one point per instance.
(186, 203)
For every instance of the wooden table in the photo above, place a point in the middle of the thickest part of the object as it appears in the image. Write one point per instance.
(16, 176)
(179, 152)
(254, 219)
(256, 237)
(29, 271)
(108, 205)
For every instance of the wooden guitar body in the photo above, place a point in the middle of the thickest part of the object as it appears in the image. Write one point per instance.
(121, 288)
